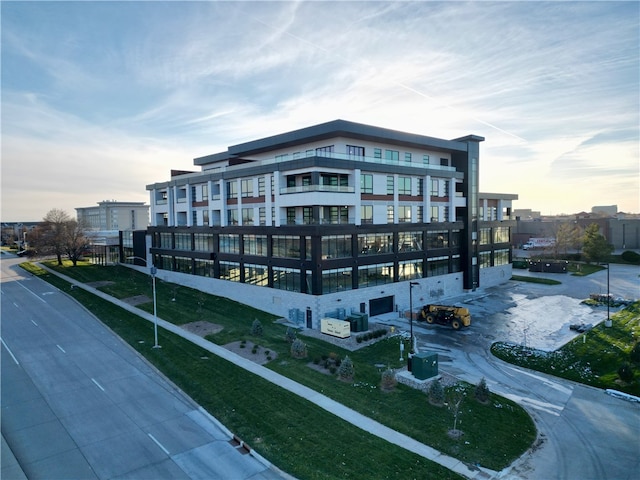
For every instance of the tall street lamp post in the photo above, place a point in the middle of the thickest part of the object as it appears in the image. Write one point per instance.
(152, 271)
(607, 322)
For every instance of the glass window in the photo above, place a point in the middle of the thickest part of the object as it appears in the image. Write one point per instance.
(437, 239)
(286, 279)
(390, 185)
(261, 186)
(194, 218)
(203, 242)
(183, 264)
(484, 259)
(255, 245)
(425, 159)
(484, 235)
(336, 246)
(229, 243)
(375, 243)
(204, 268)
(262, 215)
(307, 215)
(256, 274)
(205, 217)
(435, 214)
(247, 216)
(366, 213)
(409, 242)
(404, 213)
(410, 269)
(407, 157)
(355, 151)
(370, 275)
(501, 235)
(232, 216)
(324, 151)
(404, 185)
(183, 241)
(392, 156)
(247, 187)
(456, 238)
(420, 186)
(232, 189)
(291, 215)
(435, 188)
(336, 280)
(205, 191)
(437, 266)
(285, 246)
(166, 240)
(366, 183)
(377, 153)
(390, 215)
(501, 257)
(230, 271)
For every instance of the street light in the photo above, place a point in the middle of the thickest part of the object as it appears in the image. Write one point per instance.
(152, 271)
(607, 322)
(411, 285)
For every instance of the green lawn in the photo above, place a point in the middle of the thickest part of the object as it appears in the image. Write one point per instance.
(592, 358)
(495, 434)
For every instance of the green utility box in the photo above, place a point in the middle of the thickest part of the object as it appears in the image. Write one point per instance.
(359, 322)
(424, 365)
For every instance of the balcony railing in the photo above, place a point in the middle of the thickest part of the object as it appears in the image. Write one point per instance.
(317, 188)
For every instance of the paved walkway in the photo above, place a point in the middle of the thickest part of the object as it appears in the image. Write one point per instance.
(345, 413)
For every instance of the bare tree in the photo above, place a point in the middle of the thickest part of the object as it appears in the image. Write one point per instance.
(75, 241)
(61, 235)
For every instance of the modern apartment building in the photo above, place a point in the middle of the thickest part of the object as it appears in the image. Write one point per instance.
(337, 216)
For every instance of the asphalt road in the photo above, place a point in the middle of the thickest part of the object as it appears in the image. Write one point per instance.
(583, 433)
(78, 403)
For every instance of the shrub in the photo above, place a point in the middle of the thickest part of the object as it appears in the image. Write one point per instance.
(346, 371)
(626, 372)
(388, 380)
(631, 257)
(298, 349)
(290, 335)
(436, 393)
(256, 328)
(482, 391)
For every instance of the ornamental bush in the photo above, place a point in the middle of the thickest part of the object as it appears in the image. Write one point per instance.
(290, 336)
(631, 257)
(634, 356)
(388, 381)
(298, 349)
(482, 391)
(436, 393)
(625, 372)
(346, 371)
(256, 328)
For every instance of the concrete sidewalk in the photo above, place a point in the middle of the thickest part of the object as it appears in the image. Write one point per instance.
(338, 409)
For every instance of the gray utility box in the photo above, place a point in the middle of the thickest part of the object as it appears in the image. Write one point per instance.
(424, 365)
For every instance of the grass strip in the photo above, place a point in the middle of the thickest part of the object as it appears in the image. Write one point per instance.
(495, 434)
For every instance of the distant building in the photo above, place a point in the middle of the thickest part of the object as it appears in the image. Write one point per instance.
(113, 215)
(105, 221)
(605, 210)
(332, 219)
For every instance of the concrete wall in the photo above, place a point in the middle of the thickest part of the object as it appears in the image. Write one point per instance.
(280, 302)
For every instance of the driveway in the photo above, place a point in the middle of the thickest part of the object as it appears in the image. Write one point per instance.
(583, 433)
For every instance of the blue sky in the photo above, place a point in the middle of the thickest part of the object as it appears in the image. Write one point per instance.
(100, 99)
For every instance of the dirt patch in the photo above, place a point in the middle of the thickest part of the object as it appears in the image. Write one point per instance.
(255, 353)
(202, 328)
(137, 300)
(103, 283)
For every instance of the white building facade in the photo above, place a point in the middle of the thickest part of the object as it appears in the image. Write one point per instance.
(337, 216)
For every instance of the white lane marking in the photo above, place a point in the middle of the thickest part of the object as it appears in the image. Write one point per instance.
(61, 349)
(16, 305)
(556, 386)
(97, 384)
(10, 352)
(32, 293)
(159, 444)
(33, 321)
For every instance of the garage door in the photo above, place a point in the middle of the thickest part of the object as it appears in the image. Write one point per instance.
(378, 306)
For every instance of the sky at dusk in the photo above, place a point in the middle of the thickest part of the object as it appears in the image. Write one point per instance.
(100, 99)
